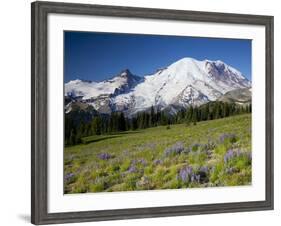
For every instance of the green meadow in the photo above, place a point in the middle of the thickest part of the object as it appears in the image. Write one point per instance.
(206, 154)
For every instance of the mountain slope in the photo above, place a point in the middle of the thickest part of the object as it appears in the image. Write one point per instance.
(183, 83)
(238, 96)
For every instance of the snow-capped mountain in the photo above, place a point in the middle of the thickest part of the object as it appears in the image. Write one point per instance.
(89, 89)
(185, 82)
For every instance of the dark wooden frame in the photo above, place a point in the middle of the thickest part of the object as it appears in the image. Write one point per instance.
(39, 193)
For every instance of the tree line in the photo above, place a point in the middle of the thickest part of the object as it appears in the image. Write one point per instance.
(117, 122)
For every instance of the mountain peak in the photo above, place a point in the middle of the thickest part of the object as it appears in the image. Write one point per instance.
(129, 77)
(126, 72)
(185, 63)
(75, 81)
(219, 62)
(78, 81)
(186, 60)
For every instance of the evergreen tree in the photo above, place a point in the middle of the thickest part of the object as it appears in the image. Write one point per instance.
(134, 123)
(152, 117)
(121, 122)
(194, 115)
(72, 138)
(163, 118)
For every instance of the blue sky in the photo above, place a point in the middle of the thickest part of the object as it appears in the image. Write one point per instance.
(98, 56)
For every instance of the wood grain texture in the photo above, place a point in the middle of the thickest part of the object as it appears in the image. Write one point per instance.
(39, 117)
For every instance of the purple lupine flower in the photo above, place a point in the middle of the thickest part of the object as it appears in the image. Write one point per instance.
(178, 147)
(185, 174)
(222, 137)
(227, 136)
(143, 162)
(175, 149)
(197, 178)
(229, 155)
(192, 178)
(204, 169)
(69, 176)
(157, 161)
(104, 156)
(132, 169)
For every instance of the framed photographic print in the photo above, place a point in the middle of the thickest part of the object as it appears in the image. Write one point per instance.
(140, 112)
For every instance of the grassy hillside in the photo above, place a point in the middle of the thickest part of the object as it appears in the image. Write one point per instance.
(211, 153)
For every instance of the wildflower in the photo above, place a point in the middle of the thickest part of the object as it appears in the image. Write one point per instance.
(229, 155)
(227, 136)
(104, 156)
(204, 169)
(157, 162)
(132, 169)
(185, 174)
(176, 149)
(69, 177)
(143, 162)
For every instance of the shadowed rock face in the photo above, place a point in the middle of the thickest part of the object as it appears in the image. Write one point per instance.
(130, 81)
(239, 96)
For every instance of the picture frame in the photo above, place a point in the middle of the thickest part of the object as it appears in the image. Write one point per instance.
(40, 104)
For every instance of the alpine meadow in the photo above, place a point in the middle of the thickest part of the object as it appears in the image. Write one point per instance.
(179, 118)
